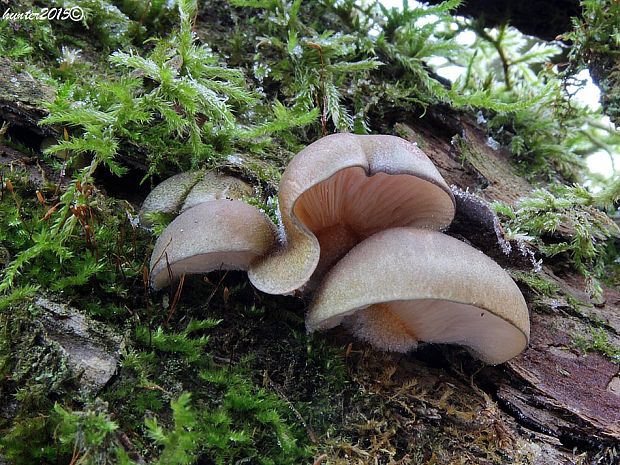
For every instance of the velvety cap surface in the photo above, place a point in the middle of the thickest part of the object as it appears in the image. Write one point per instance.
(406, 285)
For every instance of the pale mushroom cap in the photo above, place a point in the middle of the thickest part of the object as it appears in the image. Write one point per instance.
(168, 195)
(360, 184)
(406, 285)
(217, 234)
(185, 190)
(215, 186)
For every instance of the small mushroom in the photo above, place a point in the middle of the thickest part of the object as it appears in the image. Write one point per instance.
(216, 234)
(342, 189)
(215, 186)
(167, 196)
(406, 285)
(185, 190)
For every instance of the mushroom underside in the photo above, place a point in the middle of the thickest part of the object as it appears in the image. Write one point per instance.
(399, 326)
(367, 204)
(204, 263)
(350, 206)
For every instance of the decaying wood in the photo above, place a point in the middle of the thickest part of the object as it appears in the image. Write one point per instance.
(91, 349)
(21, 102)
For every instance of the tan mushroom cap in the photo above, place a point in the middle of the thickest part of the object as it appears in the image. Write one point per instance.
(406, 285)
(217, 234)
(213, 186)
(168, 195)
(342, 189)
(185, 190)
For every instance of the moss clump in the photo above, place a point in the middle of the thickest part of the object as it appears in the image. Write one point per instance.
(565, 221)
(536, 283)
(403, 411)
(597, 341)
(178, 102)
(92, 243)
(596, 38)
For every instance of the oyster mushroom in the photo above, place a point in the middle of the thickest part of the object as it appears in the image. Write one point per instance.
(185, 190)
(342, 189)
(213, 186)
(167, 196)
(216, 234)
(406, 285)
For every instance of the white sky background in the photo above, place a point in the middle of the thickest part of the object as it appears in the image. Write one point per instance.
(590, 95)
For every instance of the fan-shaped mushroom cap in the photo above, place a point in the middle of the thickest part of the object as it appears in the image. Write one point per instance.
(406, 285)
(215, 186)
(185, 190)
(342, 189)
(168, 195)
(217, 234)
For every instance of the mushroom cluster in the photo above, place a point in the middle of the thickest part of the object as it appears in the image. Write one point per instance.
(342, 189)
(360, 226)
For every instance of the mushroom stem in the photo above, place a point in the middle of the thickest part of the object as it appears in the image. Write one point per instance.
(335, 242)
(382, 328)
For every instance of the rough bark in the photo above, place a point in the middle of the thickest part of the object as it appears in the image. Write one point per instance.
(91, 349)
(21, 103)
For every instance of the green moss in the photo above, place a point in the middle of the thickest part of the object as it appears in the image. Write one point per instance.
(597, 341)
(181, 343)
(536, 283)
(28, 440)
(596, 38)
(565, 221)
(33, 372)
(89, 433)
(231, 429)
(93, 245)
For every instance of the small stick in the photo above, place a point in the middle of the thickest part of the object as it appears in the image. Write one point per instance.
(175, 300)
(309, 430)
(129, 448)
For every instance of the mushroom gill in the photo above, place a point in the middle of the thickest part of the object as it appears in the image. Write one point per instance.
(340, 190)
(403, 286)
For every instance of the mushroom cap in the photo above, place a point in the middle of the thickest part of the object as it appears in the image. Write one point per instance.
(215, 186)
(362, 184)
(168, 195)
(217, 234)
(405, 285)
(187, 189)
